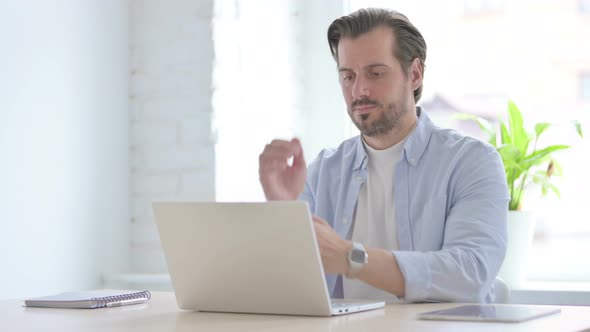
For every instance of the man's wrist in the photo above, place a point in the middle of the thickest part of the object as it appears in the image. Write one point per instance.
(357, 260)
(280, 196)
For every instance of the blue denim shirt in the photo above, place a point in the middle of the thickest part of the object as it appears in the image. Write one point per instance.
(451, 205)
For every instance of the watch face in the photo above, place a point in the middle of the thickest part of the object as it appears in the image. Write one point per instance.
(357, 256)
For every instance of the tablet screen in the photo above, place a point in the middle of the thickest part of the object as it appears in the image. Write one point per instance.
(491, 312)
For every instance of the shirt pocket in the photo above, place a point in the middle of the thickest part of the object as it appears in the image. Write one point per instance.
(429, 224)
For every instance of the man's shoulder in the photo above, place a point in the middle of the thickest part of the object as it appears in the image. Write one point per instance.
(455, 142)
(346, 149)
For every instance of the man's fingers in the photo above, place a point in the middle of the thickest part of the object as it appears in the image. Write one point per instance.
(277, 151)
(273, 159)
(293, 146)
(280, 142)
(298, 159)
(296, 147)
(276, 155)
(272, 165)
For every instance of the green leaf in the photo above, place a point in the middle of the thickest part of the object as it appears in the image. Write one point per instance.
(514, 203)
(558, 171)
(518, 134)
(484, 125)
(555, 190)
(512, 165)
(578, 126)
(540, 177)
(504, 134)
(540, 156)
(522, 168)
(509, 153)
(510, 158)
(548, 185)
(493, 140)
(540, 128)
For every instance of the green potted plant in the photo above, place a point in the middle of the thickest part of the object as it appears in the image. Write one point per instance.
(524, 163)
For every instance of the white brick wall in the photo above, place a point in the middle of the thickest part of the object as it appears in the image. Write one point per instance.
(171, 145)
(263, 90)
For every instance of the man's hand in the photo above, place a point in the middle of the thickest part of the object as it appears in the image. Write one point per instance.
(279, 180)
(382, 270)
(333, 249)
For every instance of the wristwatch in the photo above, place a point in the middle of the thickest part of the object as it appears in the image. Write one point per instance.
(357, 259)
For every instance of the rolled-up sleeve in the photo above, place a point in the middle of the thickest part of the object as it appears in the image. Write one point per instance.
(474, 239)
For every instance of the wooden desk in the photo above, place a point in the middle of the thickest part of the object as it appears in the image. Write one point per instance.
(161, 314)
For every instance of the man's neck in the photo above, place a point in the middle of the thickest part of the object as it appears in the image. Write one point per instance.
(396, 135)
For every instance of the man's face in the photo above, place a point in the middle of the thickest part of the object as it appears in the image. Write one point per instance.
(376, 90)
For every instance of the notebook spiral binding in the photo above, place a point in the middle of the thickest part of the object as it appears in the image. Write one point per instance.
(102, 302)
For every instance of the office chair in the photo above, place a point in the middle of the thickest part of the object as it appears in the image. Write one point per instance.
(501, 291)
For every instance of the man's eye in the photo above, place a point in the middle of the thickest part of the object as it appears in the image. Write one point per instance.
(376, 74)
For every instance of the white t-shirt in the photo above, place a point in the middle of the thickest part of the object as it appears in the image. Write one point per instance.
(374, 223)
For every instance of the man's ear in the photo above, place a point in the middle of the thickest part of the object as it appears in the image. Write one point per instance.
(416, 73)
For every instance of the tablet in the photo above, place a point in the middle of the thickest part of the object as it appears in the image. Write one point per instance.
(491, 313)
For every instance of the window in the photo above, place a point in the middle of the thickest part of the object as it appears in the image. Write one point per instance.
(471, 67)
(254, 92)
(478, 7)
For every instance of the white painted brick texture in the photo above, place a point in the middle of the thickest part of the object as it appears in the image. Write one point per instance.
(171, 143)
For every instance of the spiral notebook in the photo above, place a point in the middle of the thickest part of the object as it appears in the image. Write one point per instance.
(90, 299)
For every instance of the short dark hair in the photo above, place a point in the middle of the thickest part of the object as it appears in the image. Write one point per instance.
(410, 42)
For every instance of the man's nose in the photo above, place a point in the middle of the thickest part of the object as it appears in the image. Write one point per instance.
(360, 88)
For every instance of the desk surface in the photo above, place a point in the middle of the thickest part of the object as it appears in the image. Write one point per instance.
(162, 314)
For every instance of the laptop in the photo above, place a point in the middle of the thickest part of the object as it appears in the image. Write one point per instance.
(247, 258)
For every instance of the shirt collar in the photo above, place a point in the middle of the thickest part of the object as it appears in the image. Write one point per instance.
(418, 140)
(414, 146)
(360, 155)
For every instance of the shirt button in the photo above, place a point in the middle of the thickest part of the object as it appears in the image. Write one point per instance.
(359, 178)
(345, 221)
(413, 160)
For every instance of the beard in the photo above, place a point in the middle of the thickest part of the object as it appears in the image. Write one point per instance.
(387, 121)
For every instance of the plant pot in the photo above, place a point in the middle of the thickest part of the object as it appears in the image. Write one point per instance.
(521, 227)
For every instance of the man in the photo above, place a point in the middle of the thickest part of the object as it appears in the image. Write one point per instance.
(406, 209)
